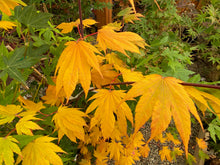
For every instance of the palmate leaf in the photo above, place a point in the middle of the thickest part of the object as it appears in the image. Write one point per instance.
(6, 5)
(8, 113)
(106, 104)
(163, 98)
(30, 17)
(69, 121)
(41, 151)
(7, 147)
(74, 66)
(119, 41)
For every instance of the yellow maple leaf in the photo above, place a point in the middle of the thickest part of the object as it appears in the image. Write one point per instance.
(25, 126)
(51, 97)
(129, 74)
(163, 98)
(74, 65)
(41, 151)
(165, 153)
(145, 151)
(132, 4)
(115, 150)
(201, 143)
(203, 100)
(170, 137)
(85, 162)
(113, 59)
(129, 15)
(68, 27)
(7, 147)
(126, 160)
(69, 121)
(119, 41)
(7, 25)
(101, 157)
(6, 5)
(106, 104)
(8, 113)
(108, 76)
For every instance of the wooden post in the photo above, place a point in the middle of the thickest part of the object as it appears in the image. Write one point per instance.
(103, 16)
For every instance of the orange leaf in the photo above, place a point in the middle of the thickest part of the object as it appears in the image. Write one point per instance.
(165, 153)
(107, 105)
(115, 150)
(202, 144)
(170, 137)
(163, 98)
(108, 75)
(74, 66)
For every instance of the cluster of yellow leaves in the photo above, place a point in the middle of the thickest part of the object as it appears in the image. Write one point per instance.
(6, 25)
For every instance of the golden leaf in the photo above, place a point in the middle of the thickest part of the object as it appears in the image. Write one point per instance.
(101, 157)
(204, 100)
(165, 153)
(6, 5)
(201, 143)
(25, 126)
(51, 96)
(106, 104)
(31, 107)
(41, 151)
(68, 27)
(163, 98)
(69, 121)
(115, 150)
(7, 25)
(8, 113)
(74, 65)
(7, 147)
(170, 137)
(119, 41)
(113, 58)
(130, 75)
(108, 76)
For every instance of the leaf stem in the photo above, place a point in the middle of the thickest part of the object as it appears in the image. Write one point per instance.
(10, 132)
(80, 18)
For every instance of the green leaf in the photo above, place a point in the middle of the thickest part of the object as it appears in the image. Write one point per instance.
(214, 129)
(30, 17)
(25, 139)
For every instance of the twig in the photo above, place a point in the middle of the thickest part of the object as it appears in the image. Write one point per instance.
(158, 5)
(80, 18)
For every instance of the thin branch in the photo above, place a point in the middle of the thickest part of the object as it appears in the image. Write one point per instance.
(80, 17)
(158, 5)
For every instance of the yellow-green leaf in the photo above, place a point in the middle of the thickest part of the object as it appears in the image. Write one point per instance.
(7, 147)
(41, 151)
(69, 121)
(8, 113)
(74, 66)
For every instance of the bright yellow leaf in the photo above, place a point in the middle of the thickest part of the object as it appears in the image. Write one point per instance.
(132, 4)
(7, 25)
(108, 76)
(6, 5)
(31, 107)
(74, 66)
(51, 97)
(119, 41)
(145, 151)
(204, 100)
(163, 98)
(69, 121)
(106, 104)
(165, 154)
(8, 113)
(113, 58)
(25, 125)
(126, 160)
(201, 143)
(41, 151)
(68, 27)
(101, 157)
(7, 147)
(130, 75)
